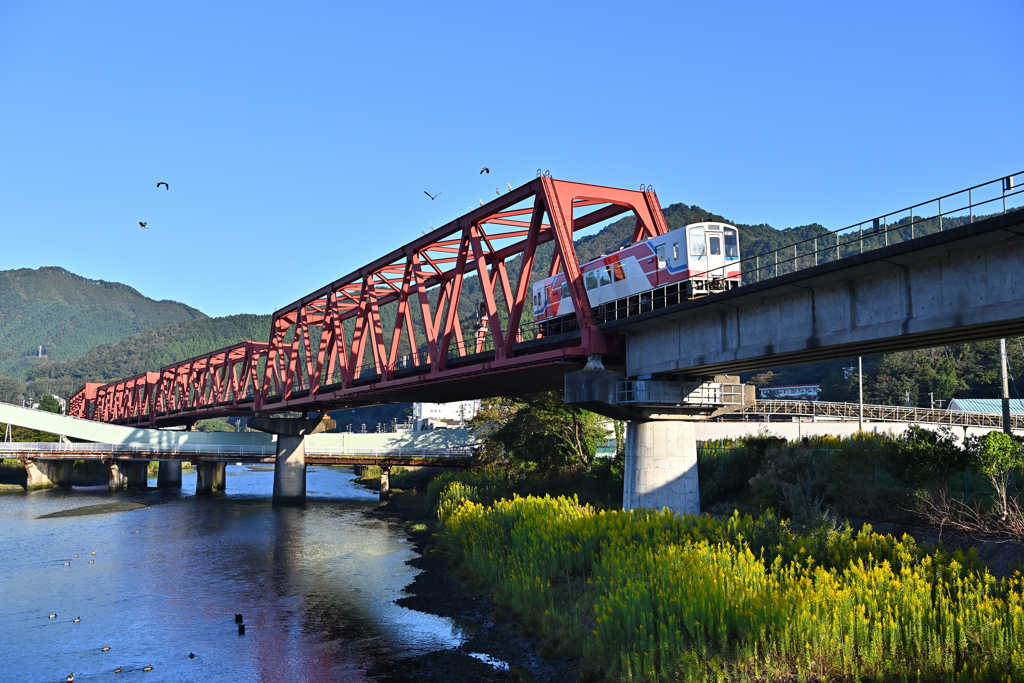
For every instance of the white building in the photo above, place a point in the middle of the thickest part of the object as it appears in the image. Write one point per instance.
(439, 415)
(791, 392)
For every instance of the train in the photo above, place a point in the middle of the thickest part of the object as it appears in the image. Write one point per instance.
(660, 271)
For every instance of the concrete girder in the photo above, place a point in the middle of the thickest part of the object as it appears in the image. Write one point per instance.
(964, 284)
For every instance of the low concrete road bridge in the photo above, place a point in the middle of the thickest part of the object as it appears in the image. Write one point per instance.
(933, 273)
(127, 451)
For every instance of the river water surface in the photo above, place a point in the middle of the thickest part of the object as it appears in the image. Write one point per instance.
(314, 584)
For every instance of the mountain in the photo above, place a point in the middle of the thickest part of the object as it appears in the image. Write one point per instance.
(147, 351)
(68, 315)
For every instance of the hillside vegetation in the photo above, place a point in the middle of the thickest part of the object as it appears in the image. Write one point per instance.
(149, 351)
(68, 315)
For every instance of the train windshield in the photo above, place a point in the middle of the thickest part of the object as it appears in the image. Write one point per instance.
(732, 249)
(697, 246)
(715, 245)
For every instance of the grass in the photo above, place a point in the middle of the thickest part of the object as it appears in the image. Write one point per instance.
(653, 596)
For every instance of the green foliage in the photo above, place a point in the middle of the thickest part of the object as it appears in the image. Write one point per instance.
(923, 455)
(150, 350)
(539, 431)
(995, 453)
(68, 315)
(50, 405)
(652, 596)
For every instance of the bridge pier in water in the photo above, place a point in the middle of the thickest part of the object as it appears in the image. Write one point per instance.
(385, 483)
(128, 474)
(290, 464)
(169, 474)
(43, 474)
(210, 476)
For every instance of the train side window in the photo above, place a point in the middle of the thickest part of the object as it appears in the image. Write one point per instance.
(675, 251)
(697, 247)
(618, 271)
(565, 290)
(715, 245)
(661, 256)
(732, 249)
(605, 276)
(591, 281)
(547, 292)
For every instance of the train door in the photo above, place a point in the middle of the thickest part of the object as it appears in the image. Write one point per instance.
(698, 252)
(715, 250)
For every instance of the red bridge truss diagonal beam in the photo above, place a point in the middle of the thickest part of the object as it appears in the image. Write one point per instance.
(391, 331)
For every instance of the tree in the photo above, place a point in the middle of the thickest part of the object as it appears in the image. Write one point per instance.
(50, 404)
(538, 431)
(11, 389)
(996, 455)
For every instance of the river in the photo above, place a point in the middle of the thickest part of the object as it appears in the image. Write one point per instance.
(314, 584)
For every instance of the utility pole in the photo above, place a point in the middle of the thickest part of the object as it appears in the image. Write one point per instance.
(1006, 386)
(860, 382)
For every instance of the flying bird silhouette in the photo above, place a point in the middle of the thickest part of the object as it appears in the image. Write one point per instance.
(166, 186)
(484, 170)
(143, 226)
(432, 196)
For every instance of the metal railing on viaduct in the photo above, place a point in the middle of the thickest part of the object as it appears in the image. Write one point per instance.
(873, 413)
(391, 331)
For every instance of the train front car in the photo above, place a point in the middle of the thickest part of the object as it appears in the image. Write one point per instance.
(685, 263)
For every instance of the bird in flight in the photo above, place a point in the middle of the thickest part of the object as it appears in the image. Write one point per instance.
(166, 186)
(484, 170)
(432, 196)
(143, 225)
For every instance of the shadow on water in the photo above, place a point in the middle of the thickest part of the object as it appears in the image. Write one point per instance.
(315, 584)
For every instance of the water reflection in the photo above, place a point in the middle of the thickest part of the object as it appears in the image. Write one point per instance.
(315, 584)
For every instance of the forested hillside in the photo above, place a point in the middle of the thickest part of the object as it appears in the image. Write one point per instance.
(149, 351)
(68, 315)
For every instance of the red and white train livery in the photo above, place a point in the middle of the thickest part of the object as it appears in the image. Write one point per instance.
(657, 272)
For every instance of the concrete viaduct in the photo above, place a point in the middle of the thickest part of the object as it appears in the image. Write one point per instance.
(959, 285)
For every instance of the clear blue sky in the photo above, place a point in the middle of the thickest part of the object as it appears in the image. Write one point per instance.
(298, 137)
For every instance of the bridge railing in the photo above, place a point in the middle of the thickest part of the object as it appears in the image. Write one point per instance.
(942, 213)
(878, 413)
(59, 449)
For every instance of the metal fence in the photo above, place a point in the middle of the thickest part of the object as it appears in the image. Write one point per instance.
(952, 210)
(61, 449)
(877, 413)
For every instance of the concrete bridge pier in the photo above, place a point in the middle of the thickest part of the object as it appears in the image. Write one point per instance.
(290, 464)
(43, 474)
(169, 475)
(210, 476)
(128, 474)
(661, 442)
(661, 466)
(385, 483)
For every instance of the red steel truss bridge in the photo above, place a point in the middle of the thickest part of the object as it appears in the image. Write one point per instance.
(391, 331)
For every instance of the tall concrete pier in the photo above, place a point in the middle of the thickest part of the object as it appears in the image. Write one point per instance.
(290, 466)
(661, 466)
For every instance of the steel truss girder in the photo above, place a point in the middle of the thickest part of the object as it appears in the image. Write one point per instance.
(318, 347)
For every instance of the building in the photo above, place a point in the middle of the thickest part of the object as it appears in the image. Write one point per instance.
(790, 392)
(986, 405)
(440, 415)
